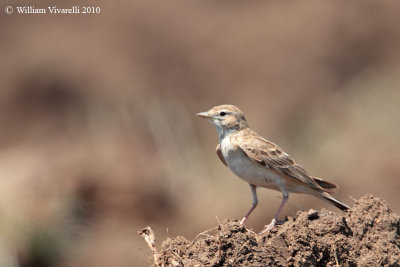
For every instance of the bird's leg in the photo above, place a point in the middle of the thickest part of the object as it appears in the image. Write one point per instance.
(253, 189)
(275, 219)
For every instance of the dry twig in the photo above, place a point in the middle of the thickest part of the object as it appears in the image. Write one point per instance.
(335, 255)
(148, 235)
(237, 253)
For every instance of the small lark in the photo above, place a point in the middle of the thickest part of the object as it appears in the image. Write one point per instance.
(261, 163)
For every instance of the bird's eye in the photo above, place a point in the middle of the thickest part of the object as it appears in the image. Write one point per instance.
(222, 113)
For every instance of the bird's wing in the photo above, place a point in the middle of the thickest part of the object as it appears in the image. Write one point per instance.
(219, 153)
(273, 157)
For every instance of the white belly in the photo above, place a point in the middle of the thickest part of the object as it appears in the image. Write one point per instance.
(247, 169)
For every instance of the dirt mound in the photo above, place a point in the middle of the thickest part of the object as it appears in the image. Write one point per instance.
(368, 234)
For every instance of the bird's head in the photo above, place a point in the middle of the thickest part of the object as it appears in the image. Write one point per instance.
(226, 118)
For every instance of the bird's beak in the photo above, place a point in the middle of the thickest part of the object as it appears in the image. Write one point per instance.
(203, 115)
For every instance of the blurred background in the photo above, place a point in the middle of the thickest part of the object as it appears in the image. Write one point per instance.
(99, 139)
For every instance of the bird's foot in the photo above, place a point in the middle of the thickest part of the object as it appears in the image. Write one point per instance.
(280, 222)
(269, 226)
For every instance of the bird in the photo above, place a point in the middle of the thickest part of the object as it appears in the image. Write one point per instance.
(261, 163)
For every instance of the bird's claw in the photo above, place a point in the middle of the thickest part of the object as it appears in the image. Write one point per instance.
(269, 226)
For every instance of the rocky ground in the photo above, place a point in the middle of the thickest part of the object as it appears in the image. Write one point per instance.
(368, 235)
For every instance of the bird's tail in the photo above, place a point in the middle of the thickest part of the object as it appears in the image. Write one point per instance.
(330, 199)
(327, 186)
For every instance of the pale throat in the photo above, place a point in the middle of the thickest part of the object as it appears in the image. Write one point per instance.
(227, 131)
(223, 132)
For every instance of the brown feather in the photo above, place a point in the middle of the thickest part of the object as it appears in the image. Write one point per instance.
(273, 157)
(219, 153)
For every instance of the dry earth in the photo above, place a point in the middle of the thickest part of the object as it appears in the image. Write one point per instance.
(368, 235)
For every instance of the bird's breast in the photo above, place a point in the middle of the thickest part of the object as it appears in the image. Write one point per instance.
(227, 148)
(245, 168)
(234, 156)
